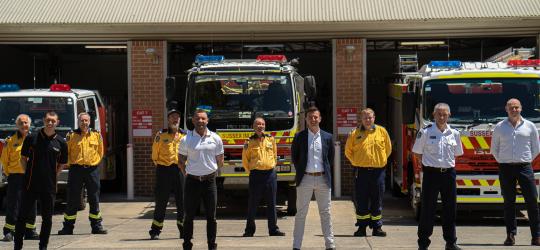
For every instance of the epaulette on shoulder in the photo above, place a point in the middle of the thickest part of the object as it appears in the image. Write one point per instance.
(253, 137)
(428, 126)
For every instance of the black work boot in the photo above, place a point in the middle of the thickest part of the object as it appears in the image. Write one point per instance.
(377, 231)
(154, 234)
(361, 232)
(31, 234)
(99, 230)
(67, 229)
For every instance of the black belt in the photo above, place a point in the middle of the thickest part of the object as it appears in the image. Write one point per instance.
(435, 170)
(262, 170)
(315, 174)
(82, 166)
(368, 168)
(165, 166)
(202, 177)
(516, 164)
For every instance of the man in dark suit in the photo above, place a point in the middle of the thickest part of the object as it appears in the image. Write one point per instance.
(313, 155)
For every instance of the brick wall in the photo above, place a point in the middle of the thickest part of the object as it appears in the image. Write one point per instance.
(148, 93)
(349, 92)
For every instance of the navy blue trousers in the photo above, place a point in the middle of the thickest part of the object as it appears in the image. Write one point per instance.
(369, 192)
(13, 202)
(169, 180)
(262, 183)
(434, 182)
(523, 174)
(78, 178)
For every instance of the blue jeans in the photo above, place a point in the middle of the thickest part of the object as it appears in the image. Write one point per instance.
(521, 173)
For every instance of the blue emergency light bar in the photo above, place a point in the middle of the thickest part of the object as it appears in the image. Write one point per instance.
(7, 87)
(445, 64)
(205, 59)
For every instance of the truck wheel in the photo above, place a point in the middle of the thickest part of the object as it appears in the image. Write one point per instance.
(291, 201)
(415, 203)
(396, 191)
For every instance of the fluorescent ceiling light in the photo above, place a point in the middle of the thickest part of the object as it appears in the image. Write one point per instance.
(422, 43)
(264, 46)
(105, 46)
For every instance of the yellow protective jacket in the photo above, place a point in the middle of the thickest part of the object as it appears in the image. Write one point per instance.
(84, 149)
(165, 147)
(368, 148)
(11, 155)
(259, 153)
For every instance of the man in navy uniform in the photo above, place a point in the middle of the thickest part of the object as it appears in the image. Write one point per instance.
(437, 146)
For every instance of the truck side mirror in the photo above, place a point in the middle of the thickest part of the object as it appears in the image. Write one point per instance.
(170, 87)
(310, 87)
(408, 107)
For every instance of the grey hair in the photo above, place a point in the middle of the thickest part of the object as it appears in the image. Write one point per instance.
(441, 105)
(21, 116)
(83, 113)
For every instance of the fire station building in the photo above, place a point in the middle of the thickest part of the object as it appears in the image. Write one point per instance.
(129, 50)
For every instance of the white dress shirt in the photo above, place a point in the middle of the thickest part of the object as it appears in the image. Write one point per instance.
(515, 145)
(314, 158)
(438, 149)
(201, 152)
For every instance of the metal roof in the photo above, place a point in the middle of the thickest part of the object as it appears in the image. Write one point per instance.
(196, 20)
(256, 11)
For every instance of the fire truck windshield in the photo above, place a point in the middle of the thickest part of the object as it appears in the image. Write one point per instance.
(234, 100)
(482, 100)
(36, 107)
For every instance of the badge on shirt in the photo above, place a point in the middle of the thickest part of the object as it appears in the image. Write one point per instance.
(433, 137)
(419, 134)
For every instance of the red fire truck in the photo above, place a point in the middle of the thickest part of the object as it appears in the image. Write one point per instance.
(476, 93)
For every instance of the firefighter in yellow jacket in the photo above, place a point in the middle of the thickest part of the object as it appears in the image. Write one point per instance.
(259, 159)
(12, 168)
(85, 151)
(368, 148)
(168, 176)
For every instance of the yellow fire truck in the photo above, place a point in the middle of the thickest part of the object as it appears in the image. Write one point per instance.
(476, 93)
(234, 92)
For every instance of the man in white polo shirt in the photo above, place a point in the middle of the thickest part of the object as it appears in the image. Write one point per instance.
(203, 151)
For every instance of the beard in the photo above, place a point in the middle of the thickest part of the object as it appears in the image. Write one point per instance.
(174, 126)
